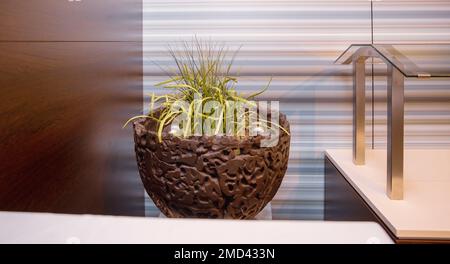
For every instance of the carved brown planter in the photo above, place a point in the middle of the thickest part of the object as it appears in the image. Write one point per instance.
(209, 177)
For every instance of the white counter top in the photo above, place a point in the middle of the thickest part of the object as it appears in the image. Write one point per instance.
(425, 210)
(58, 228)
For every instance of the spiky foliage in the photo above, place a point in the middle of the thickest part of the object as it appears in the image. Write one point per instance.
(203, 70)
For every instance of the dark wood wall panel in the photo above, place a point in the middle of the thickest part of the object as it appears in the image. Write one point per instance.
(56, 20)
(70, 76)
(63, 146)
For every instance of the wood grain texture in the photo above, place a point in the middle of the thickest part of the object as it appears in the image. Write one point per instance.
(61, 20)
(63, 148)
(71, 75)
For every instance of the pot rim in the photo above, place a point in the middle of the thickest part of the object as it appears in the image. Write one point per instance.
(231, 140)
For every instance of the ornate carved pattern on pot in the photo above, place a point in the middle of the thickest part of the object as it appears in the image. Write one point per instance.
(209, 177)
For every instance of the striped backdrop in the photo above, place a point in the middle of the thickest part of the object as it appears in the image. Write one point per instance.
(427, 109)
(297, 42)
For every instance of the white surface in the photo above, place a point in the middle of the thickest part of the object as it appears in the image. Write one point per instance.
(425, 210)
(265, 214)
(58, 228)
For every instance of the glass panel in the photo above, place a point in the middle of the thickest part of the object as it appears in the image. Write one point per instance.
(413, 60)
(345, 57)
(418, 60)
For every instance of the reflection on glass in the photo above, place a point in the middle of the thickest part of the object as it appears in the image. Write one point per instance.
(413, 60)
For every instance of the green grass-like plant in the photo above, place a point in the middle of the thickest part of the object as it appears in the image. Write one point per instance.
(203, 70)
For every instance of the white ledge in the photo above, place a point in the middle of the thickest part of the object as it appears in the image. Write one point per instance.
(57, 228)
(425, 210)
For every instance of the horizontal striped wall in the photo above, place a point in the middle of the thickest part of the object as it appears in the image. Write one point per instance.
(297, 42)
(427, 108)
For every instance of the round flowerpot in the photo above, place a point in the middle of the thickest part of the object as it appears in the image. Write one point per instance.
(209, 176)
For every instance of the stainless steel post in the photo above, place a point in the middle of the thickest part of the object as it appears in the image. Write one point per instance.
(359, 98)
(395, 111)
